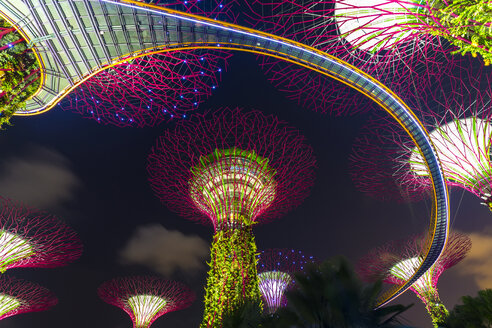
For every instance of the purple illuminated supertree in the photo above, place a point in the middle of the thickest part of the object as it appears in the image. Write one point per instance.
(396, 263)
(20, 296)
(275, 269)
(146, 298)
(233, 170)
(386, 163)
(404, 44)
(156, 88)
(31, 238)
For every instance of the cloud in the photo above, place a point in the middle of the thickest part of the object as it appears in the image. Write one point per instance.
(39, 178)
(478, 263)
(165, 251)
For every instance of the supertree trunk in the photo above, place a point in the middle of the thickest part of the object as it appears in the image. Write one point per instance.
(232, 279)
(435, 307)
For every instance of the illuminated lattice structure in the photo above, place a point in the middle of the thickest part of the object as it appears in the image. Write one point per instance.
(31, 238)
(395, 263)
(20, 296)
(464, 146)
(378, 25)
(155, 88)
(386, 163)
(146, 298)
(375, 163)
(233, 170)
(275, 269)
(401, 43)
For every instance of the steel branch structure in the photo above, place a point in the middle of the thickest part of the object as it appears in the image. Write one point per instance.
(372, 34)
(231, 161)
(395, 263)
(464, 146)
(380, 37)
(146, 298)
(148, 90)
(20, 296)
(386, 163)
(73, 53)
(376, 163)
(31, 238)
(275, 269)
(233, 170)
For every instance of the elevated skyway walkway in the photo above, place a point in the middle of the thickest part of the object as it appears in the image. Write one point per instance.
(76, 39)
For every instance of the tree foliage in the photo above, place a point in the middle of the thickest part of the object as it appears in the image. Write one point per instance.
(475, 312)
(328, 296)
(232, 279)
(467, 24)
(19, 72)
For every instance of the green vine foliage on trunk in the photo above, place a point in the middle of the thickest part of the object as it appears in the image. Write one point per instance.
(19, 72)
(438, 312)
(467, 25)
(232, 278)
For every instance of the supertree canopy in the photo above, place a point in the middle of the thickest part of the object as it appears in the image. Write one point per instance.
(20, 296)
(404, 44)
(380, 31)
(275, 269)
(231, 169)
(19, 72)
(463, 145)
(459, 126)
(377, 25)
(146, 298)
(148, 90)
(396, 263)
(31, 238)
(379, 164)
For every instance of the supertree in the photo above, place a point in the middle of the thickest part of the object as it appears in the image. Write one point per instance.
(146, 298)
(32, 238)
(381, 25)
(405, 44)
(20, 296)
(395, 263)
(233, 170)
(386, 163)
(379, 164)
(19, 72)
(275, 269)
(148, 90)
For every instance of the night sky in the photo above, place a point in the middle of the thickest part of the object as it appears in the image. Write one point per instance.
(94, 177)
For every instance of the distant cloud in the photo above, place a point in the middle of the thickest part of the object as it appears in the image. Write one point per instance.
(40, 178)
(165, 251)
(478, 263)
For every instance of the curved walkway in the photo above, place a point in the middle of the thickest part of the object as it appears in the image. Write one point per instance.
(76, 39)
